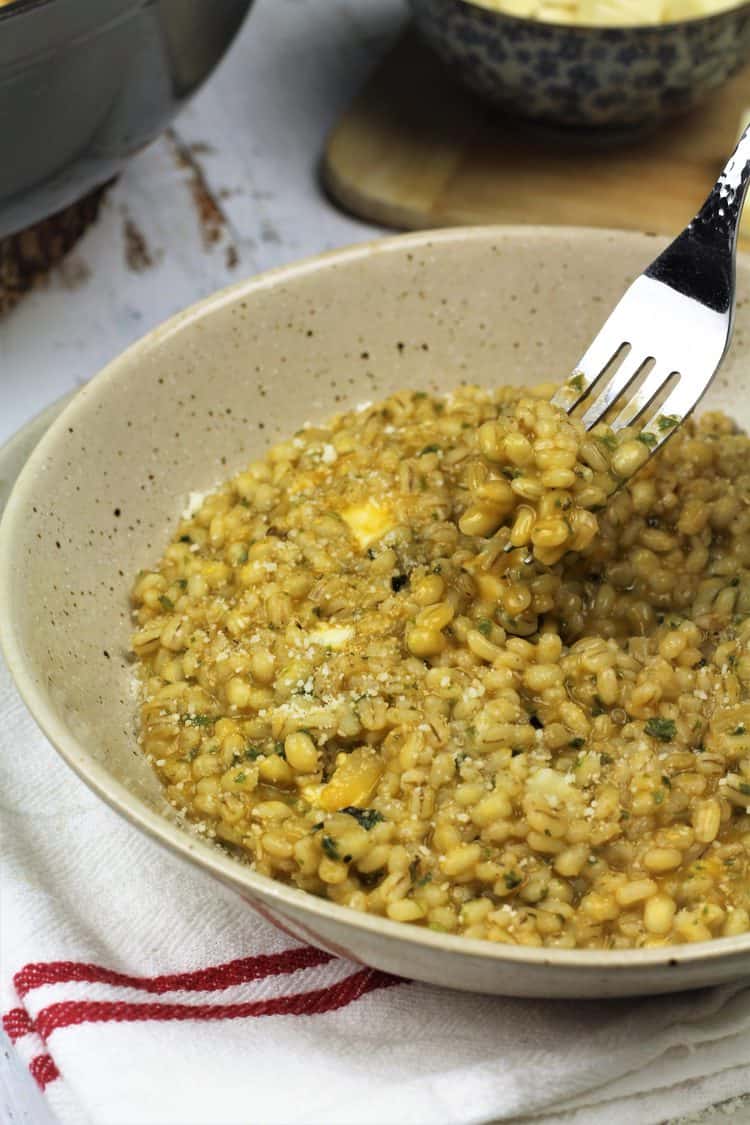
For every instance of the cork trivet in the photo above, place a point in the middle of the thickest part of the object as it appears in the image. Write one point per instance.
(28, 256)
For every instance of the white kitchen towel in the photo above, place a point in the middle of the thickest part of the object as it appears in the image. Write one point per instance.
(139, 992)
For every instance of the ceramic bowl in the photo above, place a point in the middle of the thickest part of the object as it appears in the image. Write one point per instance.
(592, 77)
(84, 84)
(189, 406)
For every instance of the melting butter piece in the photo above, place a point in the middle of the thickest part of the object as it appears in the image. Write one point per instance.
(331, 636)
(368, 521)
(354, 780)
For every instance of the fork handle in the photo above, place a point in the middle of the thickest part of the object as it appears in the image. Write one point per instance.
(700, 261)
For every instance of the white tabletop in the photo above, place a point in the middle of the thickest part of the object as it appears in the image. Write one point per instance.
(251, 140)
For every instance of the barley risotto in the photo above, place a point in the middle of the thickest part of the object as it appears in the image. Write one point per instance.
(426, 662)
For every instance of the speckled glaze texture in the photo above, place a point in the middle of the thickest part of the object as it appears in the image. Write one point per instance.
(585, 76)
(188, 407)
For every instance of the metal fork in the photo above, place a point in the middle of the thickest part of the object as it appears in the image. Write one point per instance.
(678, 316)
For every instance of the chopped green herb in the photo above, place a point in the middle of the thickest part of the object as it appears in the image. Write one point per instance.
(329, 847)
(370, 879)
(665, 780)
(197, 720)
(485, 627)
(744, 788)
(658, 796)
(648, 439)
(252, 753)
(667, 422)
(429, 449)
(185, 539)
(512, 880)
(182, 583)
(424, 880)
(663, 729)
(368, 818)
(460, 758)
(576, 381)
(606, 759)
(317, 827)
(739, 729)
(577, 743)
(609, 440)
(516, 751)
(278, 748)
(166, 603)
(419, 394)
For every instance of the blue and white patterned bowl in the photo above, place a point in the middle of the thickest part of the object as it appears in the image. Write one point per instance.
(585, 76)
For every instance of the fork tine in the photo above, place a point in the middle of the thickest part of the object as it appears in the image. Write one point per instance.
(621, 380)
(594, 361)
(678, 405)
(645, 394)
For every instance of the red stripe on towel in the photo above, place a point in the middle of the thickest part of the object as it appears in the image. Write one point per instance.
(75, 1012)
(43, 1070)
(201, 980)
(17, 1023)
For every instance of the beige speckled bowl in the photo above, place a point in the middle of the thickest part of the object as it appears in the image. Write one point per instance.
(191, 404)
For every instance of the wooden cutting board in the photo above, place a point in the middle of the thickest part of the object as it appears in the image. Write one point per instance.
(414, 150)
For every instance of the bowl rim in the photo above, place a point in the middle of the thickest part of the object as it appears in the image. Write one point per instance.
(181, 840)
(15, 7)
(572, 28)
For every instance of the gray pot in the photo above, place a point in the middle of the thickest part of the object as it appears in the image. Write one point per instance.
(585, 76)
(84, 84)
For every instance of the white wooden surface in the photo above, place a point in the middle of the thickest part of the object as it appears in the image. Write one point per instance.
(230, 191)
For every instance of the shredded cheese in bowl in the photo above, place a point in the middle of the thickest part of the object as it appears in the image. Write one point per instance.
(609, 13)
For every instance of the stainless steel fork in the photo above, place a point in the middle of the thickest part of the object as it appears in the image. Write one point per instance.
(677, 319)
